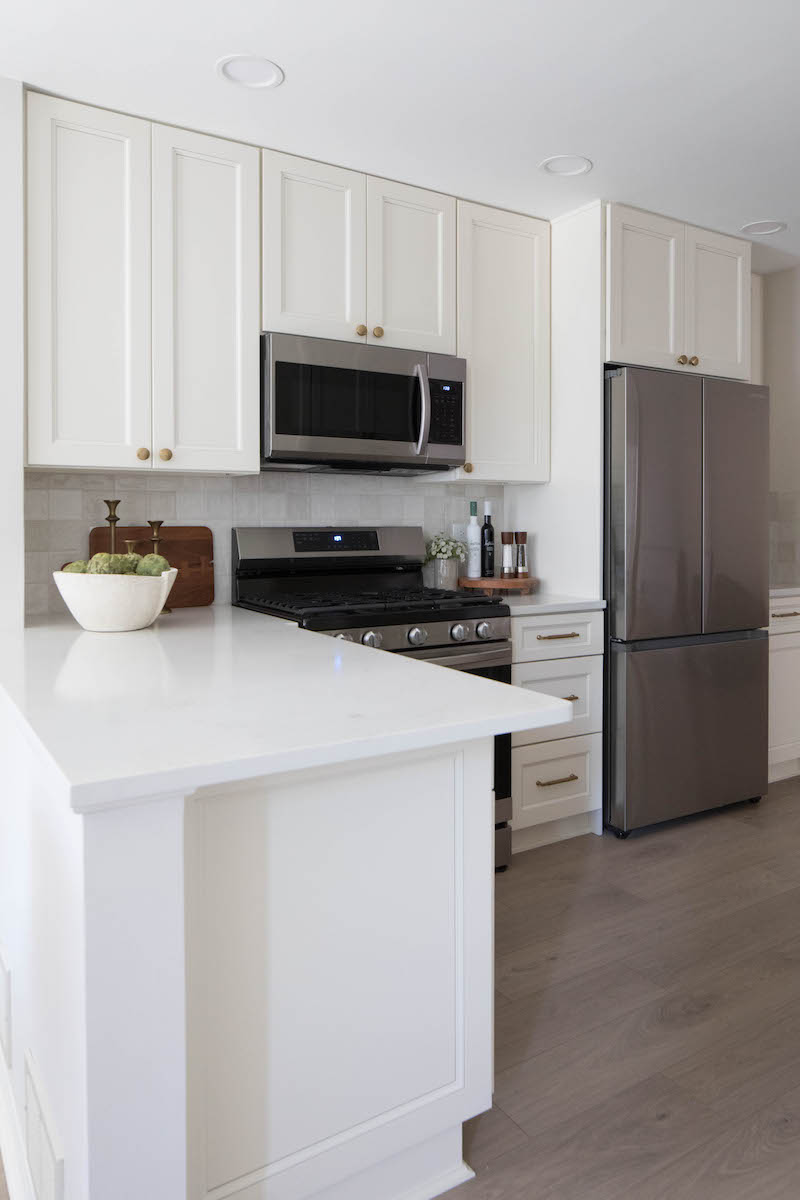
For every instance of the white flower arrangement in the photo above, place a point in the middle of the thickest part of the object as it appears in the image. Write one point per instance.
(442, 547)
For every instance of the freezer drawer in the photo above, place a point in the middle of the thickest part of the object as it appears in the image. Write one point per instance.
(687, 727)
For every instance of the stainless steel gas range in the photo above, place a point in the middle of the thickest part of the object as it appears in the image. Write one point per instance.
(365, 585)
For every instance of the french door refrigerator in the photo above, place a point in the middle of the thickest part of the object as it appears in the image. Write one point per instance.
(686, 565)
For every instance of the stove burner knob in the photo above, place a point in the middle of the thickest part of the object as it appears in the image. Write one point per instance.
(344, 637)
(483, 629)
(373, 638)
(417, 636)
(458, 633)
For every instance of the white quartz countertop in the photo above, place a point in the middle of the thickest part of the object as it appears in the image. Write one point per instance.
(543, 603)
(213, 695)
(785, 591)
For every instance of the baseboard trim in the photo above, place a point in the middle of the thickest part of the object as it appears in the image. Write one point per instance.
(12, 1142)
(784, 770)
(556, 831)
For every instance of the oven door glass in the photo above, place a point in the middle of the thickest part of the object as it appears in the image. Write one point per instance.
(313, 401)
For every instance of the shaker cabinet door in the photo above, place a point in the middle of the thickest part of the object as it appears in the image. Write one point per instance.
(314, 247)
(88, 286)
(645, 318)
(205, 303)
(718, 303)
(504, 334)
(411, 267)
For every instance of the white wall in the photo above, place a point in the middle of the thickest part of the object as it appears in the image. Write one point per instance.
(564, 518)
(11, 353)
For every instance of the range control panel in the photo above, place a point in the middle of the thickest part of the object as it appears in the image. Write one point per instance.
(323, 541)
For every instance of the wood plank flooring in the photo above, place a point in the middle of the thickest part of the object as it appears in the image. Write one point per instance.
(647, 1024)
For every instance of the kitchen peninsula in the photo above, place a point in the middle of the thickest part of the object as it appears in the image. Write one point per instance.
(227, 773)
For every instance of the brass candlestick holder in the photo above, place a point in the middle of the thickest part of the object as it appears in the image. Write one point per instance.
(112, 520)
(156, 540)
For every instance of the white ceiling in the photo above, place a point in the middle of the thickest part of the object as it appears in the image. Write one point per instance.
(687, 107)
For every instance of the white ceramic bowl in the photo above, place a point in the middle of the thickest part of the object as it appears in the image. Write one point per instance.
(114, 603)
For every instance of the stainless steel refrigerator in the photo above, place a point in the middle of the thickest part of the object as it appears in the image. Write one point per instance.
(686, 564)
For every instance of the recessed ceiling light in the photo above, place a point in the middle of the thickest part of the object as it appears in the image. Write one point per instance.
(248, 70)
(764, 228)
(566, 164)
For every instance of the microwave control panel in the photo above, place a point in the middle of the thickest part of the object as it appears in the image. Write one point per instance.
(447, 413)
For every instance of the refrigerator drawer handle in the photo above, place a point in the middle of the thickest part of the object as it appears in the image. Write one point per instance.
(552, 782)
(573, 697)
(554, 637)
(787, 614)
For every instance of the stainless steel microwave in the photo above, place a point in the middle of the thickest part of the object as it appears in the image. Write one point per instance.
(338, 406)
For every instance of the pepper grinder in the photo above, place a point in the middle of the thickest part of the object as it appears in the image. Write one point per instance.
(112, 519)
(522, 555)
(156, 540)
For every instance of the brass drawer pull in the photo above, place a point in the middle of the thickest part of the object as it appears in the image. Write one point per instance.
(791, 614)
(572, 697)
(552, 782)
(554, 637)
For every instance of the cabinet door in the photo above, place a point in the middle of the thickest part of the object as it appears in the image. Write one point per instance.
(718, 303)
(579, 680)
(504, 334)
(205, 303)
(314, 247)
(645, 289)
(784, 697)
(88, 286)
(411, 267)
(553, 780)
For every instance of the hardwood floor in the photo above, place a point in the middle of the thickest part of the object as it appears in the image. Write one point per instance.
(648, 1016)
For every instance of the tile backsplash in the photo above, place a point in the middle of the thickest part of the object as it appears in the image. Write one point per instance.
(784, 539)
(62, 507)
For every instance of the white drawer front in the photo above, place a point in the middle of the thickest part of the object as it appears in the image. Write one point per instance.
(579, 680)
(784, 614)
(556, 779)
(562, 635)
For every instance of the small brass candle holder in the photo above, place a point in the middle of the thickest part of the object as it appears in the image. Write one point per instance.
(156, 540)
(112, 520)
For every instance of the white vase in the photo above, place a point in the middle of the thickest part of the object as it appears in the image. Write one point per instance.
(446, 573)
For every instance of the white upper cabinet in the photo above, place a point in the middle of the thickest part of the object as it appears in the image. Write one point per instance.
(88, 193)
(718, 298)
(677, 296)
(314, 248)
(645, 288)
(205, 303)
(411, 267)
(504, 334)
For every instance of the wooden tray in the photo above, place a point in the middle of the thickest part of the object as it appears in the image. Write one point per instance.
(190, 548)
(500, 585)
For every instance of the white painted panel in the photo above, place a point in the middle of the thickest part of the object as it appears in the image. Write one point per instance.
(554, 780)
(784, 614)
(757, 328)
(315, 242)
(88, 286)
(562, 635)
(645, 317)
(784, 696)
(579, 680)
(326, 981)
(411, 267)
(205, 302)
(45, 1156)
(5, 1009)
(718, 303)
(504, 334)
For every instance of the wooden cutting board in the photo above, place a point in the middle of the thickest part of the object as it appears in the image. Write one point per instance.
(190, 548)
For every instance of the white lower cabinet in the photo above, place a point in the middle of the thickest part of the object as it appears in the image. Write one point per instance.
(553, 780)
(557, 772)
(784, 687)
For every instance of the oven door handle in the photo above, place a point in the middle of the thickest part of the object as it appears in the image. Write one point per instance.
(467, 660)
(421, 372)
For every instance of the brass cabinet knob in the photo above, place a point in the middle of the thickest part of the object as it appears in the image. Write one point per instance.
(361, 330)
(683, 360)
(377, 331)
(165, 455)
(468, 468)
(143, 453)
(694, 361)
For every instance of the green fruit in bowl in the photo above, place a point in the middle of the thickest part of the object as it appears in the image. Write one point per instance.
(79, 567)
(108, 564)
(130, 563)
(152, 564)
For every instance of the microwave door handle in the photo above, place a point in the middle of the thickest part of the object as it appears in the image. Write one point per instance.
(421, 371)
